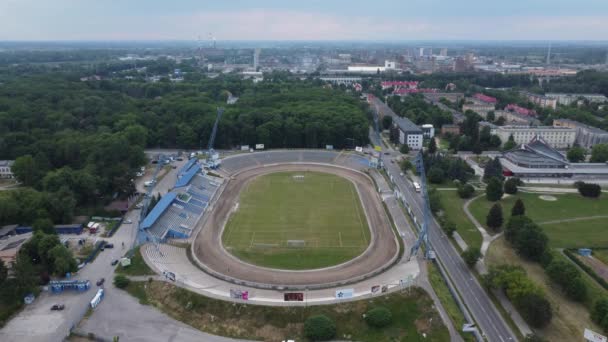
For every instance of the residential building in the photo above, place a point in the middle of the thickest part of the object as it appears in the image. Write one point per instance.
(452, 97)
(481, 98)
(346, 80)
(567, 99)
(537, 159)
(5, 169)
(520, 110)
(479, 108)
(586, 136)
(515, 119)
(451, 129)
(556, 137)
(399, 85)
(541, 100)
(366, 69)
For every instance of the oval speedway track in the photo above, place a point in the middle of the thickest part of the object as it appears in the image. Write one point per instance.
(213, 258)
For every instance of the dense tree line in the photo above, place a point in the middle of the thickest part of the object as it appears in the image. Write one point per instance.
(415, 108)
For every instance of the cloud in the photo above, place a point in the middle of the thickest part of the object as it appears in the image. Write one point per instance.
(74, 20)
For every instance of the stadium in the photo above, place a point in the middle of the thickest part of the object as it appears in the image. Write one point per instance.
(275, 221)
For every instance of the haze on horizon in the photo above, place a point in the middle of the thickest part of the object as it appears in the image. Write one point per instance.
(304, 20)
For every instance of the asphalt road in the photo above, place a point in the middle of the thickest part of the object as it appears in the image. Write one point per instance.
(474, 296)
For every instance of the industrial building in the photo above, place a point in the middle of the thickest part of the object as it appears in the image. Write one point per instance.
(536, 159)
(556, 137)
(586, 136)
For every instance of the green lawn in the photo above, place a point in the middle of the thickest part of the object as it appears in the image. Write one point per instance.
(321, 210)
(452, 206)
(138, 266)
(586, 233)
(412, 311)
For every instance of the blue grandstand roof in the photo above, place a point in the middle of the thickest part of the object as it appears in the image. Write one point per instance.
(187, 177)
(187, 166)
(158, 210)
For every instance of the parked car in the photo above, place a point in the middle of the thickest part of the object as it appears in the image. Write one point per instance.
(139, 205)
(175, 167)
(180, 159)
(100, 282)
(57, 307)
(109, 245)
(114, 262)
(127, 221)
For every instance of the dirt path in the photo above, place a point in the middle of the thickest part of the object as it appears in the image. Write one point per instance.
(208, 249)
(575, 219)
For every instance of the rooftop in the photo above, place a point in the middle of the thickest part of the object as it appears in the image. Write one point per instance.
(485, 98)
(406, 125)
(158, 210)
(6, 162)
(582, 125)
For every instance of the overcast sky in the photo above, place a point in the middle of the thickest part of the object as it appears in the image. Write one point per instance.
(304, 19)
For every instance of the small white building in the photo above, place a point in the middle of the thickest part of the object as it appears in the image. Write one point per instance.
(409, 133)
(5, 169)
(428, 131)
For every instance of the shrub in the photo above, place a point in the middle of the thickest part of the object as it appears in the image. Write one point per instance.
(379, 317)
(466, 191)
(471, 255)
(436, 175)
(535, 309)
(319, 328)
(589, 189)
(448, 227)
(121, 281)
(404, 149)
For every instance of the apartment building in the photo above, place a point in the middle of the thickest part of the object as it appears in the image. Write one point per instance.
(556, 137)
(586, 136)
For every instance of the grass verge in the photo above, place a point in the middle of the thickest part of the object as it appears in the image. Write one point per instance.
(412, 311)
(138, 266)
(452, 209)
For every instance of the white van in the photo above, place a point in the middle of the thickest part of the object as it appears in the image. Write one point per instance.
(149, 183)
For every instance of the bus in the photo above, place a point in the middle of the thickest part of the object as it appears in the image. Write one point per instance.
(417, 187)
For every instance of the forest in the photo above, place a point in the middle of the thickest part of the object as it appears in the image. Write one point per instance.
(83, 141)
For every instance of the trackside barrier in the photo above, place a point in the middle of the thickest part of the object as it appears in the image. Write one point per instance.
(442, 271)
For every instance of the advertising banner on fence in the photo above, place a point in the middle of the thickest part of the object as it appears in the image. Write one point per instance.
(345, 293)
(359, 149)
(329, 147)
(259, 146)
(293, 297)
(592, 336)
(375, 289)
(238, 294)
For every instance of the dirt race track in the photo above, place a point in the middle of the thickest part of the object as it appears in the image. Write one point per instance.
(212, 257)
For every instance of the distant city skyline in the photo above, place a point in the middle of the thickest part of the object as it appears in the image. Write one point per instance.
(304, 20)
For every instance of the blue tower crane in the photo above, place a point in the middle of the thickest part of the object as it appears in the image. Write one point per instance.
(423, 231)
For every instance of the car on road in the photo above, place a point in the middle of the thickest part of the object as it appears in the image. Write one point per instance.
(57, 307)
(180, 159)
(139, 205)
(175, 167)
(127, 221)
(109, 245)
(101, 281)
(115, 262)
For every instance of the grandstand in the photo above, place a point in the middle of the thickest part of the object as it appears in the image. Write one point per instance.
(176, 214)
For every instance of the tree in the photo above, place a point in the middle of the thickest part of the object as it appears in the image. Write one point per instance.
(319, 328)
(535, 309)
(531, 241)
(405, 165)
(599, 153)
(511, 185)
(568, 277)
(510, 144)
(494, 219)
(3, 272)
(494, 190)
(121, 281)
(378, 317)
(448, 227)
(404, 149)
(466, 191)
(44, 225)
(63, 261)
(493, 169)
(436, 175)
(576, 154)
(533, 338)
(518, 208)
(434, 200)
(600, 311)
(387, 121)
(25, 170)
(491, 116)
(432, 146)
(471, 255)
